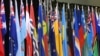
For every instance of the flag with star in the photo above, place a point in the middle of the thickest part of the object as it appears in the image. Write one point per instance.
(29, 45)
(40, 29)
(13, 43)
(77, 50)
(64, 36)
(53, 51)
(22, 28)
(33, 31)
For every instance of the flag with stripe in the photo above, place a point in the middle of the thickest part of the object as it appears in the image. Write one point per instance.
(77, 50)
(13, 43)
(29, 46)
(33, 30)
(64, 36)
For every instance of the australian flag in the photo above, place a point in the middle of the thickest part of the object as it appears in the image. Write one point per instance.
(13, 45)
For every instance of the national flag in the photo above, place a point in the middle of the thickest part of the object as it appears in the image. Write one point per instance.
(80, 28)
(22, 28)
(40, 29)
(89, 38)
(77, 50)
(1, 44)
(3, 19)
(57, 31)
(29, 46)
(64, 36)
(13, 43)
(69, 29)
(18, 30)
(33, 31)
(53, 50)
(45, 30)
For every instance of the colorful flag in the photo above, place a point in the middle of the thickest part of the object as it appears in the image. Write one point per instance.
(22, 28)
(13, 43)
(57, 31)
(18, 30)
(45, 30)
(51, 35)
(64, 36)
(89, 38)
(29, 46)
(77, 50)
(33, 31)
(40, 29)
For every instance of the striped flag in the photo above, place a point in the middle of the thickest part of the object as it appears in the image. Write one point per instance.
(18, 30)
(77, 51)
(40, 29)
(22, 28)
(13, 43)
(29, 46)
(33, 31)
(64, 36)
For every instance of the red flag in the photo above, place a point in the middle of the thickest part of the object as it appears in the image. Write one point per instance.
(1, 45)
(29, 46)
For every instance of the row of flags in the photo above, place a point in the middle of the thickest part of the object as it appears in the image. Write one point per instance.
(56, 34)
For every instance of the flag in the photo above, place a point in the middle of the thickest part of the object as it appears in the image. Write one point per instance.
(64, 36)
(1, 45)
(33, 31)
(45, 30)
(80, 28)
(18, 30)
(70, 35)
(77, 50)
(29, 46)
(57, 31)
(22, 28)
(13, 43)
(40, 29)
(89, 38)
(53, 50)
(3, 19)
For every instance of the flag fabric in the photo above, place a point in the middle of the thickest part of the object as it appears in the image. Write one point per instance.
(18, 30)
(77, 50)
(57, 31)
(53, 50)
(13, 43)
(80, 28)
(89, 38)
(40, 29)
(70, 35)
(45, 30)
(22, 28)
(29, 46)
(64, 36)
(33, 31)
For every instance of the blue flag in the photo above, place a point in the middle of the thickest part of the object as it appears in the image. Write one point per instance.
(18, 30)
(40, 30)
(77, 51)
(13, 44)
(64, 43)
